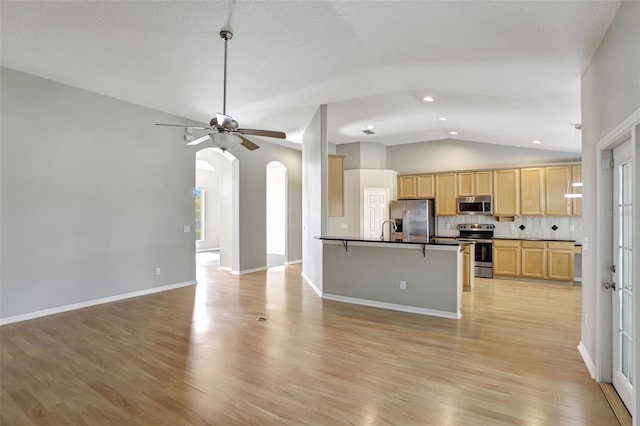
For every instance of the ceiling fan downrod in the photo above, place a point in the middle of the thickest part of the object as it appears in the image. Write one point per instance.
(226, 36)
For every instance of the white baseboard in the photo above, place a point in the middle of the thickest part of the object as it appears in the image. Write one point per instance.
(587, 360)
(311, 284)
(225, 268)
(80, 305)
(248, 271)
(293, 262)
(277, 253)
(393, 306)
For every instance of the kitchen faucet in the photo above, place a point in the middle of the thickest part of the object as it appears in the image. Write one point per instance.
(395, 228)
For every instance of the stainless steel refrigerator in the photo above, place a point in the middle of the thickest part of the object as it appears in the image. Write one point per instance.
(414, 220)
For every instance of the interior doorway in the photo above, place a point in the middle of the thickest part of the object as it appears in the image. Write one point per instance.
(276, 211)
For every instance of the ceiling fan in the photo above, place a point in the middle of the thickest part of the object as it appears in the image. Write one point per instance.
(223, 129)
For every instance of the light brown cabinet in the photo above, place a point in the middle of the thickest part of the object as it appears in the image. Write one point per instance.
(576, 176)
(532, 191)
(406, 187)
(506, 197)
(484, 182)
(557, 183)
(335, 185)
(425, 186)
(468, 276)
(560, 261)
(534, 259)
(545, 260)
(446, 193)
(506, 258)
(466, 184)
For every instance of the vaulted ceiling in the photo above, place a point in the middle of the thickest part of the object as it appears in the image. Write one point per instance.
(504, 72)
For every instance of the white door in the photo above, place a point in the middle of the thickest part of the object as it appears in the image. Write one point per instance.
(375, 211)
(622, 271)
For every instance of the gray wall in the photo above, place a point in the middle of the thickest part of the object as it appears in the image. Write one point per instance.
(450, 154)
(610, 94)
(363, 155)
(314, 203)
(94, 197)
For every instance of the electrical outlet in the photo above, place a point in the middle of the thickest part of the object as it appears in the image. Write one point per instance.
(187, 228)
(157, 271)
(344, 226)
(512, 226)
(448, 226)
(403, 285)
(586, 320)
(572, 227)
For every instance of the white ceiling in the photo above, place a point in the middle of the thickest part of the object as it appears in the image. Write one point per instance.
(502, 72)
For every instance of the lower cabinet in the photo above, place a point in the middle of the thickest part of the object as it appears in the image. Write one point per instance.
(545, 260)
(506, 258)
(468, 273)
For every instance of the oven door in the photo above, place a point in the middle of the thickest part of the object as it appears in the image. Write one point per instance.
(483, 259)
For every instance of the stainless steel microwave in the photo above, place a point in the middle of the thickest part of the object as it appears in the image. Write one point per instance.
(475, 205)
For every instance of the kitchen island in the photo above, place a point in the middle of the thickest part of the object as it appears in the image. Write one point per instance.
(418, 276)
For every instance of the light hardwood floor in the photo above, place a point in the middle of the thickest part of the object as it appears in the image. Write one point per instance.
(198, 355)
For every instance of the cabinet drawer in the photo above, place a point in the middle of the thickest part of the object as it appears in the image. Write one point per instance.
(560, 245)
(532, 244)
(506, 243)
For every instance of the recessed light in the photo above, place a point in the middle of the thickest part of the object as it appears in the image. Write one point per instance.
(536, 141)
(453, 132)
(371, 127)
(442, 118)
(428, 99)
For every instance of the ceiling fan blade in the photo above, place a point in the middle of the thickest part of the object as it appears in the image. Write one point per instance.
(186, 126)
(224, 121)
(268, 133)
(248, 144)
(199, 140)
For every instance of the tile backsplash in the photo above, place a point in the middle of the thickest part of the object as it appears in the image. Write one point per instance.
(567, 227)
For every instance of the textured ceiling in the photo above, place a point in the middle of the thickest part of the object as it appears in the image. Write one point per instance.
(501, 72)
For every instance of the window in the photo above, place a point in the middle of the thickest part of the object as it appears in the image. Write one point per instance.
(199, 195)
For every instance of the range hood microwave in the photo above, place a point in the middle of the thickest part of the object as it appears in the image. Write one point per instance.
(475, 205)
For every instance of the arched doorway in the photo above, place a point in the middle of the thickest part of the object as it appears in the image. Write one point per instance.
(276, 212)
(216, 194)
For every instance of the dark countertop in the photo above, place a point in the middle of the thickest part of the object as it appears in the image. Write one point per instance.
(430, 242)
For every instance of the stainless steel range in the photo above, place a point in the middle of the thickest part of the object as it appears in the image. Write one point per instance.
(482, 235)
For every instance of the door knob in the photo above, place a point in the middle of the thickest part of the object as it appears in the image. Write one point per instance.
(611, 286)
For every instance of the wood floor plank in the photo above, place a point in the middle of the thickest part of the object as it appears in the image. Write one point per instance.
(198, 355)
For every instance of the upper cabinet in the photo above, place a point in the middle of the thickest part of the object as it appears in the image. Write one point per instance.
(506, 196)
(446, 194)
(471, 184)
(558, 183)
(425, 186)
(576, 176)
(484, 182)
(335, 185)
(532, 191)
(406, 187)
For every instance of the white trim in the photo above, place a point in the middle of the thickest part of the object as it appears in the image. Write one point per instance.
(249, 271)
(293, 262)
(225, 268)
(622, 130)
(277, 253)
(311, 284)
(393, 306)
(587, 360)
(202, 250)
(80, 305)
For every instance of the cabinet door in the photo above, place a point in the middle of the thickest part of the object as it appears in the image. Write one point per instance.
(560, 265)
(532, 191)
(335, 185)
(506, 197)
(576, 203)
(446, 203)
(534, 259)
(406, 187)
(466, 184)
(506, 261)
(484, 182)
(466, 267)
(558, 183)
(426, 187)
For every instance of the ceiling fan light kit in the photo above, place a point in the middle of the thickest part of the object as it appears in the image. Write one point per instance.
(223, 129)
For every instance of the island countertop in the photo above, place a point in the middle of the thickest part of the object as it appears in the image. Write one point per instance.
(430, 242)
